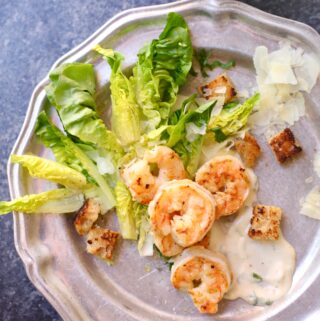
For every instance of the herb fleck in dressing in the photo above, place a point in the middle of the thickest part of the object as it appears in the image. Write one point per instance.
(262, 270)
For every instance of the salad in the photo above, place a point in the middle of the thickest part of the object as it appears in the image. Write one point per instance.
(177, 169)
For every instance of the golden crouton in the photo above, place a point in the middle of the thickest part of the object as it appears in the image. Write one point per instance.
(249, 150)
(265, 222)
(221, 86)
(86, 216)
(101, 242)
(284, 145)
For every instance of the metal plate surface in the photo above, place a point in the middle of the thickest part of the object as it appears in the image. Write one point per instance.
(82, 287)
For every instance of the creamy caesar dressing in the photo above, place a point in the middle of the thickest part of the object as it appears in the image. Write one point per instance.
(262, 270)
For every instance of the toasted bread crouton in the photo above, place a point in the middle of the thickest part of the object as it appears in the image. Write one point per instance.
(86, 216)
(249, 150)
(284, 145)
(221, 86)
(265, 222)
(101, 242)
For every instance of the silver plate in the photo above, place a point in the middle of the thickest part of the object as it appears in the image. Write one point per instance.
(80, 286)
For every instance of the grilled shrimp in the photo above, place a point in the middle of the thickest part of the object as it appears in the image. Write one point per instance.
(144, 176)
(226, 178)
(181, 214)
(205, 275)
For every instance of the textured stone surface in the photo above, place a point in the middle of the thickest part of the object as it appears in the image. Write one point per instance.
(34, 33)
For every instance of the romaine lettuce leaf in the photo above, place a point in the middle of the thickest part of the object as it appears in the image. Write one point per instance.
(66, 151)
(176, 133)
(145, 243)
(125, 110)
(56, 201)
(162, 67)
(130, 214)
(71, 91)
(124, 206)
(97, 194)
(50, 137)
(231, 120)
(52, 171)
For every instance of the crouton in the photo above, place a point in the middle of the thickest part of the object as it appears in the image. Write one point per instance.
(221, 86)
(265, 222)
(284, 145)
(249, 150)
(87, 216)
(101, 242)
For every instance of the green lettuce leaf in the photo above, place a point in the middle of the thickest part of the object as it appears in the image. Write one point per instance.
(50, 137)
(125, 110)
(95, 192)
(71, 91)
(124, 206)
(145, 243)
(52, 171)
(231, 120)
(129, 212)
(68, 151)
(177, 136)
(203, 57)
(162, 67)
(56, 201)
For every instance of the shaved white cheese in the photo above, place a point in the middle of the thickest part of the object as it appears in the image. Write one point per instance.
(282, 76)
(311, 204)
(280, 73)
(220, 90)
(316, 163)
(193, 131)
(307, 73)
(292, 109)
(218, 106)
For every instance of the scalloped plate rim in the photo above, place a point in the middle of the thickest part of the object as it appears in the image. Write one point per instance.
(121, 18)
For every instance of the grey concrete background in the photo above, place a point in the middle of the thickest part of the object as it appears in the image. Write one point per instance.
(33, 34)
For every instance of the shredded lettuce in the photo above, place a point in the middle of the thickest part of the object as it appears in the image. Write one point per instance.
(56, 201)
(125, 110)
(162, 67)
(67, 150)
(52, 171)
(71, 91)
(231, 120)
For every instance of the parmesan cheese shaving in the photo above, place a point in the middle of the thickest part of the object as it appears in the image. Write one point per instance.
(311, 204)
(193, 131)
(316, 163)
(282, 76)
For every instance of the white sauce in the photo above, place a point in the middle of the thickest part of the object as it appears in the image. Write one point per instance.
(262, 270)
